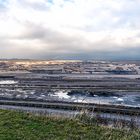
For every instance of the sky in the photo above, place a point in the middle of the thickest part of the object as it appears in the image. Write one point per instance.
(70, 29)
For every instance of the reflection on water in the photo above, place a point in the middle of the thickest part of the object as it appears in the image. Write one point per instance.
(99, 97)
(131, 99)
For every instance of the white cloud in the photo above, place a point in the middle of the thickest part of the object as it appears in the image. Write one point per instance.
(68, 26)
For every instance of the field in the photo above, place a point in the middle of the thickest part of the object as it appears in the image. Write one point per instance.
(22, 126)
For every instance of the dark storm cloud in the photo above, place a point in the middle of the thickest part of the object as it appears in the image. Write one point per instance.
(54, 40)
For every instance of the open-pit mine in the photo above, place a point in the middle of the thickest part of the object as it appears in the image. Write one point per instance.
(106, 86)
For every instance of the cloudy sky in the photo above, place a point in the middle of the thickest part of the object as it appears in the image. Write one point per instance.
(70, 29)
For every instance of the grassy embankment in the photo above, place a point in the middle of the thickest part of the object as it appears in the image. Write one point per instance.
(22, 126)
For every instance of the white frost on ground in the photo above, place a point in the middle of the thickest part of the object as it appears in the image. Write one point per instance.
(7, 82)
(62, 94)
(120, 99)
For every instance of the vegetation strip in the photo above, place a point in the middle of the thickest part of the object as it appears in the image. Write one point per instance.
(22, 126)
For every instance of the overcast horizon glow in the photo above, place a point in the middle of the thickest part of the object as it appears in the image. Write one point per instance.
(70, 29)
